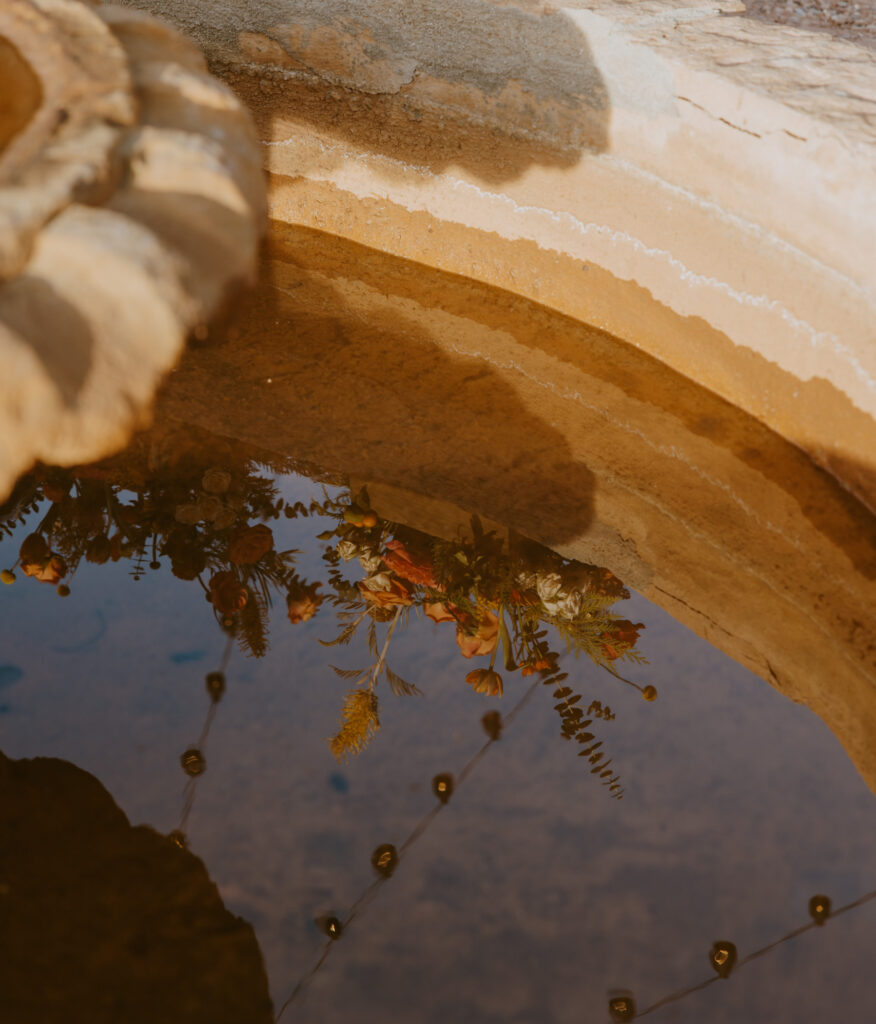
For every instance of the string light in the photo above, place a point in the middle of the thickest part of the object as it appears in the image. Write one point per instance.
(622, 1007)
(443, 796)
(193, 762)
(819, 909)
(723, 957)
(384, 860)
(442, 786)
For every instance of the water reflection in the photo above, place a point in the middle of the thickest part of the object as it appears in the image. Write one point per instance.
(443, 392)
(197, 501)
(528, 895)
(202, 505)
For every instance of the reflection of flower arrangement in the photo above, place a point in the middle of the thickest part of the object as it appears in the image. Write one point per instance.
(207, 516)
(498, 596)
(161, 500)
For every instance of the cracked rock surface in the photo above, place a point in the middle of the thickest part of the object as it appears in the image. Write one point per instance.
(131, 207)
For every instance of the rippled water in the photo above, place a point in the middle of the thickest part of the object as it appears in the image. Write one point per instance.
(218, 823)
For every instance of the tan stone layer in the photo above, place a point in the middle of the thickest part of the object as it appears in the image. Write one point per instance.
(723, 168)
(841, 437)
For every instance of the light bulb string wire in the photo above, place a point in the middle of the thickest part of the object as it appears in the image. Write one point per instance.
(684, 993)
(191, 786)
(370, 892)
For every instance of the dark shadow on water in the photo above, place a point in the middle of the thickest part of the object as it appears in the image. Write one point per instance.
(105, 923)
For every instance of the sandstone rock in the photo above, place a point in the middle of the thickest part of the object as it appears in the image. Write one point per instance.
(715, 175)
(131, 206)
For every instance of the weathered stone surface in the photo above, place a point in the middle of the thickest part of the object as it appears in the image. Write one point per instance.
(854, 20)
(131, 206)
(715, 174)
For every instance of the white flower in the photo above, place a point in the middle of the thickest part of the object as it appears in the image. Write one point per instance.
(548, 585)
(380, 581)
(570, 604)
(526, 580)
(370, 562)
(347, 550)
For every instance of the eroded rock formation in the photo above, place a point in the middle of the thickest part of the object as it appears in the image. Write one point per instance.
(131, 206)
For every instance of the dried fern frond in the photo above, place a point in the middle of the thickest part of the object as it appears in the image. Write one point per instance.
(358, 726)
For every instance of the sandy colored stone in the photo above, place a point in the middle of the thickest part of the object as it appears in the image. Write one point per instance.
(853, 20)
(131, 208)
(723, 167)
(21, 91)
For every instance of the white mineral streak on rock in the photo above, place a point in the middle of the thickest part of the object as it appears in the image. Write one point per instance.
(614, 249)
(131, 206)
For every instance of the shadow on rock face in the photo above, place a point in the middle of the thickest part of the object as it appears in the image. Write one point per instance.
(490, 88)
(107, 923)
(55, 330)
(356, 383)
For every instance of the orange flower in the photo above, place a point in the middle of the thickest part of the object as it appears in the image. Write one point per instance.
(406, 565)
(485, 680)
(391, 591)
(626, 632)
(39, 562)
(541, 665)
(623, 635)
(483, 641)
(302, 602)
(250, 544)
(50, 570)
(438, 612)
(227, 594)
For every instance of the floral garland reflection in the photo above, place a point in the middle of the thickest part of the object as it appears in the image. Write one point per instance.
(200, 503)
(500, 595)
(204, 506)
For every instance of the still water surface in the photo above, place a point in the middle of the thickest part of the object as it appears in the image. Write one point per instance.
(531, 895)
(229, 820)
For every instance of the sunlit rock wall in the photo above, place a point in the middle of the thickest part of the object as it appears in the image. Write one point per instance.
(694, 182)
